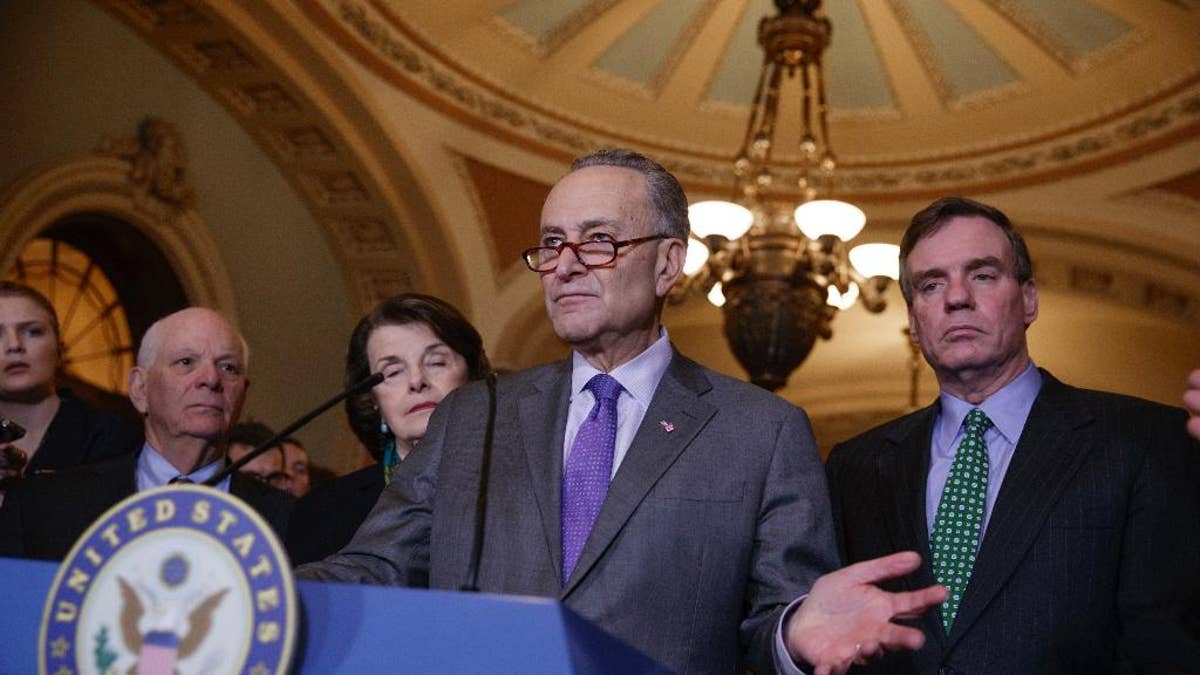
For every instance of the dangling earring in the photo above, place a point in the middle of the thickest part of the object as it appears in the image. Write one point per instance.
(391, 458)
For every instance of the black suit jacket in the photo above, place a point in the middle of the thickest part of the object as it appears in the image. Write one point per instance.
(1091, 559)
(325, 519)
(81, 434)
(44, 515)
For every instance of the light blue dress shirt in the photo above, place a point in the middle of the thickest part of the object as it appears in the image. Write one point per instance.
(153, 470)
(639, 379)
(1008, 409)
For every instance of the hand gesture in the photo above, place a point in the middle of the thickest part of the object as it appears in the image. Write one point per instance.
(847, 620)
(12, 465)
(1191, 400)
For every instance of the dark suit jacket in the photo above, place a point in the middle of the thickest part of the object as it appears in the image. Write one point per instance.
(1091, 559)
(44, 515)
(81, 434)
(717, 517)
(324, 520)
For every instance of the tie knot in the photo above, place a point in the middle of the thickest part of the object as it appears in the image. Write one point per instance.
(604, 387)
(977, 421)
(181, 479)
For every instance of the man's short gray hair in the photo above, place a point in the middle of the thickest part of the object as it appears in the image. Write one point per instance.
(668, 203)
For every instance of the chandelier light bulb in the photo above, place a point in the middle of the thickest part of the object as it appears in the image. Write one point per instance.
(808, 145)
(842, 301)
(717, 296)
(876, 260)
(697, 255)
(719, 217)
(830, 216)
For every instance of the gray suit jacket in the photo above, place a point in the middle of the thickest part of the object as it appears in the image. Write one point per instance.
(1091, 559)
(712, 523)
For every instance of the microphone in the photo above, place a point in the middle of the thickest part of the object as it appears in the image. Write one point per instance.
(485, 472)
(10, 431)
(354, 390)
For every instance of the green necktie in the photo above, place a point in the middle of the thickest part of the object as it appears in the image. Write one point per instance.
(959, 519)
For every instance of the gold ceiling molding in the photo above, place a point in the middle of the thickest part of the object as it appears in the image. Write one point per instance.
(306, 143)
(1122, 286)
(359, 31)
(924, 51)
(682, 44)
(1173, 120)
(110, 182)
(652, 89)
(569, 28)
(923, 48)
(1051, 43)
(392, 50)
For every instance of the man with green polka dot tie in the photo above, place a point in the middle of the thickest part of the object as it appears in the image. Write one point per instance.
(1064, 523)
(959, 521)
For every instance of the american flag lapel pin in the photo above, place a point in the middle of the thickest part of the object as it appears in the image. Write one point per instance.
(667, 426)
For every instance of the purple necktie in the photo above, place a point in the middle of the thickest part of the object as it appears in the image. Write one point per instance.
(588, 470)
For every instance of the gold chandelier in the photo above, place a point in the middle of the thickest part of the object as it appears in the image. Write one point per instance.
(780, 274)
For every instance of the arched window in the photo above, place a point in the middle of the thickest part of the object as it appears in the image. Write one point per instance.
(108, 282)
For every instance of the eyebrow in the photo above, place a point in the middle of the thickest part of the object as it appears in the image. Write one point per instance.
(584, 227)
(392, 358)
(986, 261)
(970, 266)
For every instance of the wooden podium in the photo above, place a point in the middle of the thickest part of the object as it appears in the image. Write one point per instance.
(360, 629)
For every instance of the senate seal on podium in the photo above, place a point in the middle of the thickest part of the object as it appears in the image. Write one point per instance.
(179, 579)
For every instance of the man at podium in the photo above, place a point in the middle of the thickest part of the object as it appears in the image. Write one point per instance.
(677, 508)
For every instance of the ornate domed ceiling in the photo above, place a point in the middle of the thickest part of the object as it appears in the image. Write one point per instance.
(927, 96)
(424, 135)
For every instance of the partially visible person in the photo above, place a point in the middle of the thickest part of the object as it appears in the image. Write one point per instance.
(268, 466)
(1064, 521)
(189, 384)
(319, 475)
(1191, 399)
(427, 349)
(60, 431)
(296, 466)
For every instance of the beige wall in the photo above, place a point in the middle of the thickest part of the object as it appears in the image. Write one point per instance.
(72, 76)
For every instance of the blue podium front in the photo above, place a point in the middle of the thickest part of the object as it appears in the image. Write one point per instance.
(357, 629)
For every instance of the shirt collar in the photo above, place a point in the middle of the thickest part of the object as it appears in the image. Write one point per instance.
(1008, 408)
(158, 471)
(639, 376)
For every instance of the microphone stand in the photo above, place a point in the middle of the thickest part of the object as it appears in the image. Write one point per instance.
(485, 472)
(354, 390)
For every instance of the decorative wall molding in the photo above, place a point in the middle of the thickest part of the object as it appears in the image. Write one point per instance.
(111, 184)
(308, 143)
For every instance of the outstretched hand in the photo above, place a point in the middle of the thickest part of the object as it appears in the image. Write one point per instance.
(846, 619)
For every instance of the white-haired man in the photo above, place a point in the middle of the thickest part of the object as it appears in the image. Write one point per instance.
(189, 384)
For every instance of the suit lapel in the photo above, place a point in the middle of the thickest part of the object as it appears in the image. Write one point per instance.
(1046, 458)
(548, 397)
(652, 452)
(906, 521)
